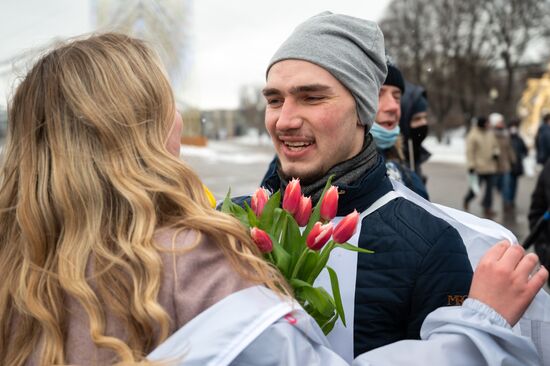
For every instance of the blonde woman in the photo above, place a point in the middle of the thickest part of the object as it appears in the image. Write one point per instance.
(109, 248)
(108, 243)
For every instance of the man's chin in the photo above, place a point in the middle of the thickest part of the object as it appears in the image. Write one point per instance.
(306, 176)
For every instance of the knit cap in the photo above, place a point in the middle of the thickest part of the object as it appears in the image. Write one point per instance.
(495, 119)
(394, 77)
(420, 105)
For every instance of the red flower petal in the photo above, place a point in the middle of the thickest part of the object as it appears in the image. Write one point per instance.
(262, 240)
(293, 193)
(303, 212)
(346, 228)
(329, 205)
(319, 235)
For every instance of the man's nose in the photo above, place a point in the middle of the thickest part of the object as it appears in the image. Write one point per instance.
(391, 105)
(289, 117)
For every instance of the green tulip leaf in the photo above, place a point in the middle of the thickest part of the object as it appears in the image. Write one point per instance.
(310, 262)
(353, 248)
(318, 298)
(297, 284)
(235, 210)
(292, 239)
(282, 258)
(239, 212)
(274, 228)
(336, 294)
(267, 217)
(252, 219)
(326, 323)
(227, 202)
(329, 325)
(322, 262)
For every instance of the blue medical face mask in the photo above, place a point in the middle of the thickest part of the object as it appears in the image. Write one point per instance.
(383, 138)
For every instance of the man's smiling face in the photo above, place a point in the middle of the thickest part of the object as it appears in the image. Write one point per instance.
(312, 119)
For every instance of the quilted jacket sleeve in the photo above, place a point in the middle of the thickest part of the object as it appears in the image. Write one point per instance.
(444, 279)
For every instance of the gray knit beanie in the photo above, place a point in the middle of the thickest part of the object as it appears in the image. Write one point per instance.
(351, 49)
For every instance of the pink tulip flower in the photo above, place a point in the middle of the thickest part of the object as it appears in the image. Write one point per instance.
(303, 212)
(293, 193)
(319, 235)
(262, 240)
(329, 205)
(346, 228)
(259, 199)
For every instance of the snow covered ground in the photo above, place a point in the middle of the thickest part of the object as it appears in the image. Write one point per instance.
(248, 149)
(453, 152)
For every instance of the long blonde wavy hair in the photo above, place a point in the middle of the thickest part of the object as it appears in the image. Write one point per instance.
(86, 181)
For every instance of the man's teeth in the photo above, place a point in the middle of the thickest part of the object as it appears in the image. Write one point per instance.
(297, 144)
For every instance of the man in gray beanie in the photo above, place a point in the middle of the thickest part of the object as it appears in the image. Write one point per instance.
(322, 92)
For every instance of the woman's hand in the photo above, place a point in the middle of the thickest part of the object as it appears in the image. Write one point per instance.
(505, 281)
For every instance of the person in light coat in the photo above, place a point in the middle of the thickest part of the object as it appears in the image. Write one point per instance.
(482, 153)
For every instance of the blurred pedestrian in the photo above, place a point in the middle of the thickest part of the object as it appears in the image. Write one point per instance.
(542, 140)
(482, 153)
(386, 132)
(520, 151)
(540, 204)
(506, 158)
(414, 126)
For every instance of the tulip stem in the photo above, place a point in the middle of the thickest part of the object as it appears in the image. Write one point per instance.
(322, 262)
(299, 263)
(283, 231)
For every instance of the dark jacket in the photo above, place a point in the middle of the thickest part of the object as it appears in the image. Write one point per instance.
(520, 151)
(420, 262)
(542, 143)
(419, 153)
(540, 202)
(397, 170)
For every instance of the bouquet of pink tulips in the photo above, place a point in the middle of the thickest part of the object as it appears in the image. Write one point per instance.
(297, 240)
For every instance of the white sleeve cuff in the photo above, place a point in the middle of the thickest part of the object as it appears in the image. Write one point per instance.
(486, 311)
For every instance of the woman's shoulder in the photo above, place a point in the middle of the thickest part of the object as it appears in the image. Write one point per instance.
(190, 252)
(196, 273)
(169, 238)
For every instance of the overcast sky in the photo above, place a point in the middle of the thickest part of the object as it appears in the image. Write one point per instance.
(232, 41)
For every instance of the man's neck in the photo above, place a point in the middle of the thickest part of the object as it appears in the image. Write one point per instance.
(345, 173)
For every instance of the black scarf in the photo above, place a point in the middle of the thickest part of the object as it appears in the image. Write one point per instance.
(345, 173)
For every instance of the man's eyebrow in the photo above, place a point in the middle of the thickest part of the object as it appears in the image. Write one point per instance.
(309, 88)
(270, 91)
(298, 89)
